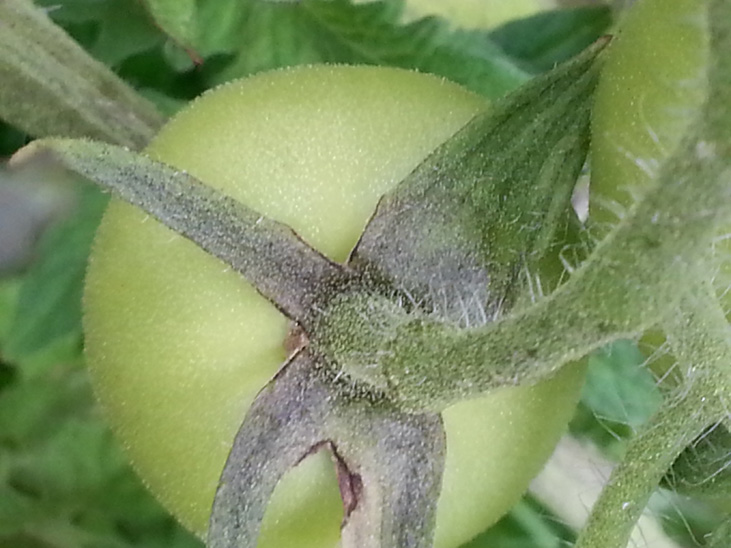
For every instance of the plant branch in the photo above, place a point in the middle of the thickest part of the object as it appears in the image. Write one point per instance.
(282, 267)
(699, 335)
(51, 86)
(633, 278)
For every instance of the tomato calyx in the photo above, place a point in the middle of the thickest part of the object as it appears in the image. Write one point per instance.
(467, 237)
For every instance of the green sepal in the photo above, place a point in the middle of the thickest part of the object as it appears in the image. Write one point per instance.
(282, 267)
(389, 464)
(462, 236)
(474, 230)
(51, 86)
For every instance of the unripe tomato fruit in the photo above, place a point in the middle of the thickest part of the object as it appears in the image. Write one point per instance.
(179, 345)
(652, 86)
(474, 14)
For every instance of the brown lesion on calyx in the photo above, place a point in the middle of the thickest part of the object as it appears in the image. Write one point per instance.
(296, 340)
(350, 483)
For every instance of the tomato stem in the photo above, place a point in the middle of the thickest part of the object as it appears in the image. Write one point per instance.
(698, 334)
(51, 86)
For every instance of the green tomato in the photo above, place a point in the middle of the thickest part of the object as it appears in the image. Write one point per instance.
(179, 345)
(651, 88)
(474, 14)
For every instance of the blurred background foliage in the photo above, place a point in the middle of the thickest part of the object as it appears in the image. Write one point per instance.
(64, 482)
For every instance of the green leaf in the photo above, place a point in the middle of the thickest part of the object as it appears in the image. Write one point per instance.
(721, 537)
(266, 35)
(8, 299)
(11, 139)
(686, 520)
(49, 304)
(528, 524)
(704, 468)
(620, 394)
(122, 34)
(543, 40)
(177, 18)
(618, 388)
(110, 30)
(74, 483)
(64, 483)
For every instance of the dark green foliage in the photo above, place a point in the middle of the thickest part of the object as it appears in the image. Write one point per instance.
(64, 483)
(49, 305)
(541, 41)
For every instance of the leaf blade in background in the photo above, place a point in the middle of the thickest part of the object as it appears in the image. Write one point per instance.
(529, 523)
(541, 41)
(703, 469)
(267, 35)
(123, 35)
(49, 303)
(177, 18)
(111, 31)
(722, 535)
(620, 394)
(64, 483)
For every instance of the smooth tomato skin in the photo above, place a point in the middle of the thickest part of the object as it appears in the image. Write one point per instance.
(178, 345)
(652, 85)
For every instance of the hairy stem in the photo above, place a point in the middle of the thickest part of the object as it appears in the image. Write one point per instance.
(51, 86)
(699, 335)
(632, 280)
(634, 277)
